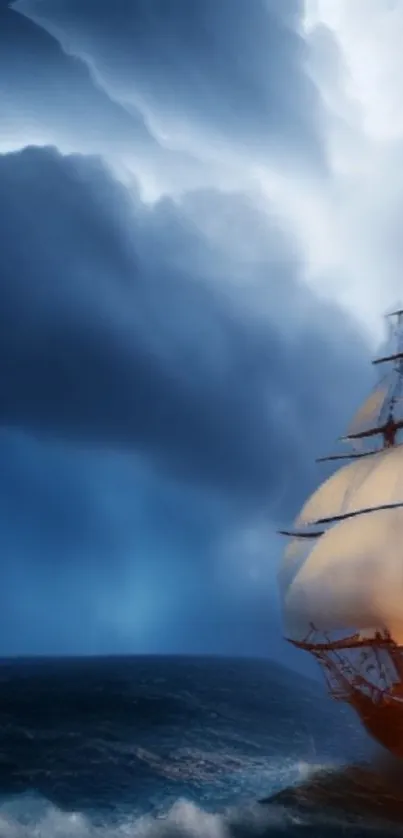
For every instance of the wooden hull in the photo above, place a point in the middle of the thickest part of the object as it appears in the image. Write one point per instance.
(383, 719)
(366, 673)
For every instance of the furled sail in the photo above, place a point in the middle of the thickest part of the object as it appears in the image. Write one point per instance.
(365, 484)
(353, 576)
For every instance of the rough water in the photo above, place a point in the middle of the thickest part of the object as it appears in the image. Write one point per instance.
(163, 747)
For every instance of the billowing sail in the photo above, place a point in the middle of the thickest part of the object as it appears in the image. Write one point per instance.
(370, 413)
(352, 577)
(364, 484)
(295, 554)
(341, 578)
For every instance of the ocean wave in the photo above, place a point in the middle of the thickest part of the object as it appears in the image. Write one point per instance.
(27, 817)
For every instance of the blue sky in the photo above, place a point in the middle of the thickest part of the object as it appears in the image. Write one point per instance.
(198, 238)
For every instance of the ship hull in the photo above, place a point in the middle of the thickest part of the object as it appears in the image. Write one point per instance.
(382, 719)
(367, 674)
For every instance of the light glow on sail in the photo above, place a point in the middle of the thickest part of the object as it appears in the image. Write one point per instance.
(295, 554)
(364, 484)
(352, 577)
(369, 414)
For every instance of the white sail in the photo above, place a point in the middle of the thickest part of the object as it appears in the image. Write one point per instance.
(295, 554)
(370, 413)
(353, 577)
(364, 484)
(374, 412)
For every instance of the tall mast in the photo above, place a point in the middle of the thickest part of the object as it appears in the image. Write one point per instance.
(395, 356)
(341, 580)
(380, 405)
(364, 486)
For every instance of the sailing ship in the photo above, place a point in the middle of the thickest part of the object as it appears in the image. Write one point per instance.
(341, 576)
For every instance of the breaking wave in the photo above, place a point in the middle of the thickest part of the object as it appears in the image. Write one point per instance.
(182, 749)
(183, 820)
(31, 817)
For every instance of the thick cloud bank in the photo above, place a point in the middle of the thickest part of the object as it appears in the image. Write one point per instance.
(197, 237)
(132, 332)
(215, 68)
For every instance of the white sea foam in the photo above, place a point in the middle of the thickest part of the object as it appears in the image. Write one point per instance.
(25, 818)
(30, 816)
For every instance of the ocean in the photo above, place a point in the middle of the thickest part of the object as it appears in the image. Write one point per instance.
(164, 747)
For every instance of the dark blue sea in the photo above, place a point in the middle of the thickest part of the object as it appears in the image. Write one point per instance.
(164, 747)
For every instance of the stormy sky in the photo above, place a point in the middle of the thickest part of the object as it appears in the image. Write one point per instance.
(200, 211)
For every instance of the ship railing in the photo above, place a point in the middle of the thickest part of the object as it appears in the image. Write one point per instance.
(343, 677)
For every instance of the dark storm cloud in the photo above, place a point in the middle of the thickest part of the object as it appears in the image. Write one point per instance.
(84, 538)
(102, 555)
(47, 96)
(176, 342)
(234, 66)
(120, 325)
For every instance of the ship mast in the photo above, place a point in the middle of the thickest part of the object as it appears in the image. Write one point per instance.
(380, 405)
(341, 577)
(369, 483)
(390, 425)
